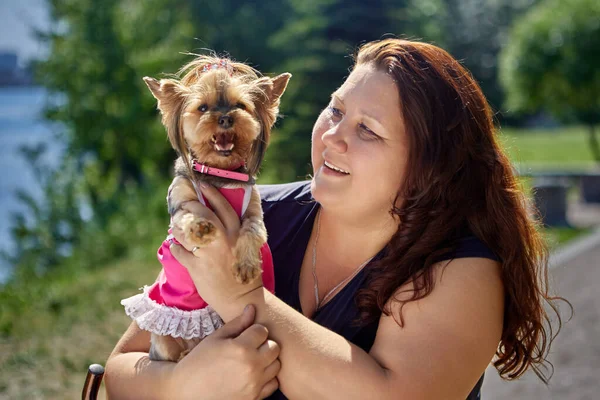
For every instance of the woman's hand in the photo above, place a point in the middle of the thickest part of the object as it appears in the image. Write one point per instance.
(237, 362)
(211, 267)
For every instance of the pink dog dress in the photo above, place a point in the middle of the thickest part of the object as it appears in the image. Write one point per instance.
(172, 306)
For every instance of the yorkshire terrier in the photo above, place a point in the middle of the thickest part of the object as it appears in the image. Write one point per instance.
(218, 119)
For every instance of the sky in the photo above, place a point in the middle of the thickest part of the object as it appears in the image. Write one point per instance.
(17, 19)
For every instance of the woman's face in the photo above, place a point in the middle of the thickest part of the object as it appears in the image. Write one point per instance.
(361, 133)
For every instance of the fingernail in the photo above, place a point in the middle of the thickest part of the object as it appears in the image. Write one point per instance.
(203, 185)
(247, 309)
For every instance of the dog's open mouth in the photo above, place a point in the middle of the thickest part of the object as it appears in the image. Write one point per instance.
(223, 144)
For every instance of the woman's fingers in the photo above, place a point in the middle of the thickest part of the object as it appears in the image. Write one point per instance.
(236, 326)
(269, 388)
(254, 336)
(269, 351)
(199, 209)
(224, 210)
(272, 369)
(181, 254)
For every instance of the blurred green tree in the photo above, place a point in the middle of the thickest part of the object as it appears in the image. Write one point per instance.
(552, 62)
(475, 31)
(99, 51)
(241, 29)
(314, 42)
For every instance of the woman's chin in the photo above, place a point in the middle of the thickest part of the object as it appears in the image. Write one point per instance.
(325, 190)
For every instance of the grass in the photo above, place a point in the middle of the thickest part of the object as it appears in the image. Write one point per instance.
(53, 327)
(565, 146)
(556, 237)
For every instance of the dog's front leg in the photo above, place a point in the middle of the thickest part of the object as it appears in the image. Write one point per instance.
(197, 231)
(168, 348)
(253, 235)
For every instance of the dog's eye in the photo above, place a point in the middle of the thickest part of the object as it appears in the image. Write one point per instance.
(203, 108)
(240, 106)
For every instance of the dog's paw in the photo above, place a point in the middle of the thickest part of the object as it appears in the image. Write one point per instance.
(198, 231)
(183, 354)
(246, 271)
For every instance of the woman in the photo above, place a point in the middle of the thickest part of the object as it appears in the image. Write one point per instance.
(402, 267)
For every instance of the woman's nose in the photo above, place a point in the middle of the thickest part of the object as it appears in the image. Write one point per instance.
(335, 139)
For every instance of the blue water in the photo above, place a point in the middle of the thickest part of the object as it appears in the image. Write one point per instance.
(21, 124)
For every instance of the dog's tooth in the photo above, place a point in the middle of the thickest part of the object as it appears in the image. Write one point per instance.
(227, 147)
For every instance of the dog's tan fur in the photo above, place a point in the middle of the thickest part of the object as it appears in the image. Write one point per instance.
(191, 108)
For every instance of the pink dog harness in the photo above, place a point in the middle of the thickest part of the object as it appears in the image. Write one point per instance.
(172, 306)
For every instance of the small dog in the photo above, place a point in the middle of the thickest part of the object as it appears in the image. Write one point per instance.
(218, 119)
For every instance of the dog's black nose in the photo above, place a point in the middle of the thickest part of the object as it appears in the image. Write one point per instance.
(226, 121)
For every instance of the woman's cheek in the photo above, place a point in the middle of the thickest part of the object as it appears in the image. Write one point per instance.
(319, 129)
(321, 125)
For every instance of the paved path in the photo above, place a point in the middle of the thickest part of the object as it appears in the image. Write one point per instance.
(576, 352)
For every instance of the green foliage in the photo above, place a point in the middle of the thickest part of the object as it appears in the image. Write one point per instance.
(241, 29)
(474, 32)
(552, 59)
(552, 62)
(116, 148)
(96, 62)
(45, 233)
(61, 230)
(314, 42)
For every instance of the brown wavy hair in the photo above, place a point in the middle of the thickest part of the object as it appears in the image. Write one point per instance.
(459, 180)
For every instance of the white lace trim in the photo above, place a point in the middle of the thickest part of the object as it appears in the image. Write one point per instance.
(164, 320)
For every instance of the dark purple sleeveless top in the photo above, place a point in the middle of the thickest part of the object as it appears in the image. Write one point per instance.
(289, 213)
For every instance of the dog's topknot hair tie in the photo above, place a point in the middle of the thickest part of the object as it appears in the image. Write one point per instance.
(221, 64)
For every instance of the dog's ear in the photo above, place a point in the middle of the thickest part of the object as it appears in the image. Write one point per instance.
(267, 111)
(168, 92)
(171, 98)
(274, 88)
(280, 83)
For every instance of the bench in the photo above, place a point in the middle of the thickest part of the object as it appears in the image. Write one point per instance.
(92, 382)
(550, 188)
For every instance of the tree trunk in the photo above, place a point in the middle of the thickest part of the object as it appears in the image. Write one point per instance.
(595, 147)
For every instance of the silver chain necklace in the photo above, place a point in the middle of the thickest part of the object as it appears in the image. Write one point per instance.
(322, 302)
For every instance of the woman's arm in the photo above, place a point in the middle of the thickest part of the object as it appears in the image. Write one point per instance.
(448, 339)
(235, 362)
(130, 374)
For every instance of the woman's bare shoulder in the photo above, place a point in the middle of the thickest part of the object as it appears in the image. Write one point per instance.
(449, 336)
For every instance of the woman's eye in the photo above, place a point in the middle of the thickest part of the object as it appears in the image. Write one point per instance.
(365, 129)
(240, 106)
(203, 108)
(335, 112)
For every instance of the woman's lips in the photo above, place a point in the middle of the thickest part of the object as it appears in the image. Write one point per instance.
(332, 167)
